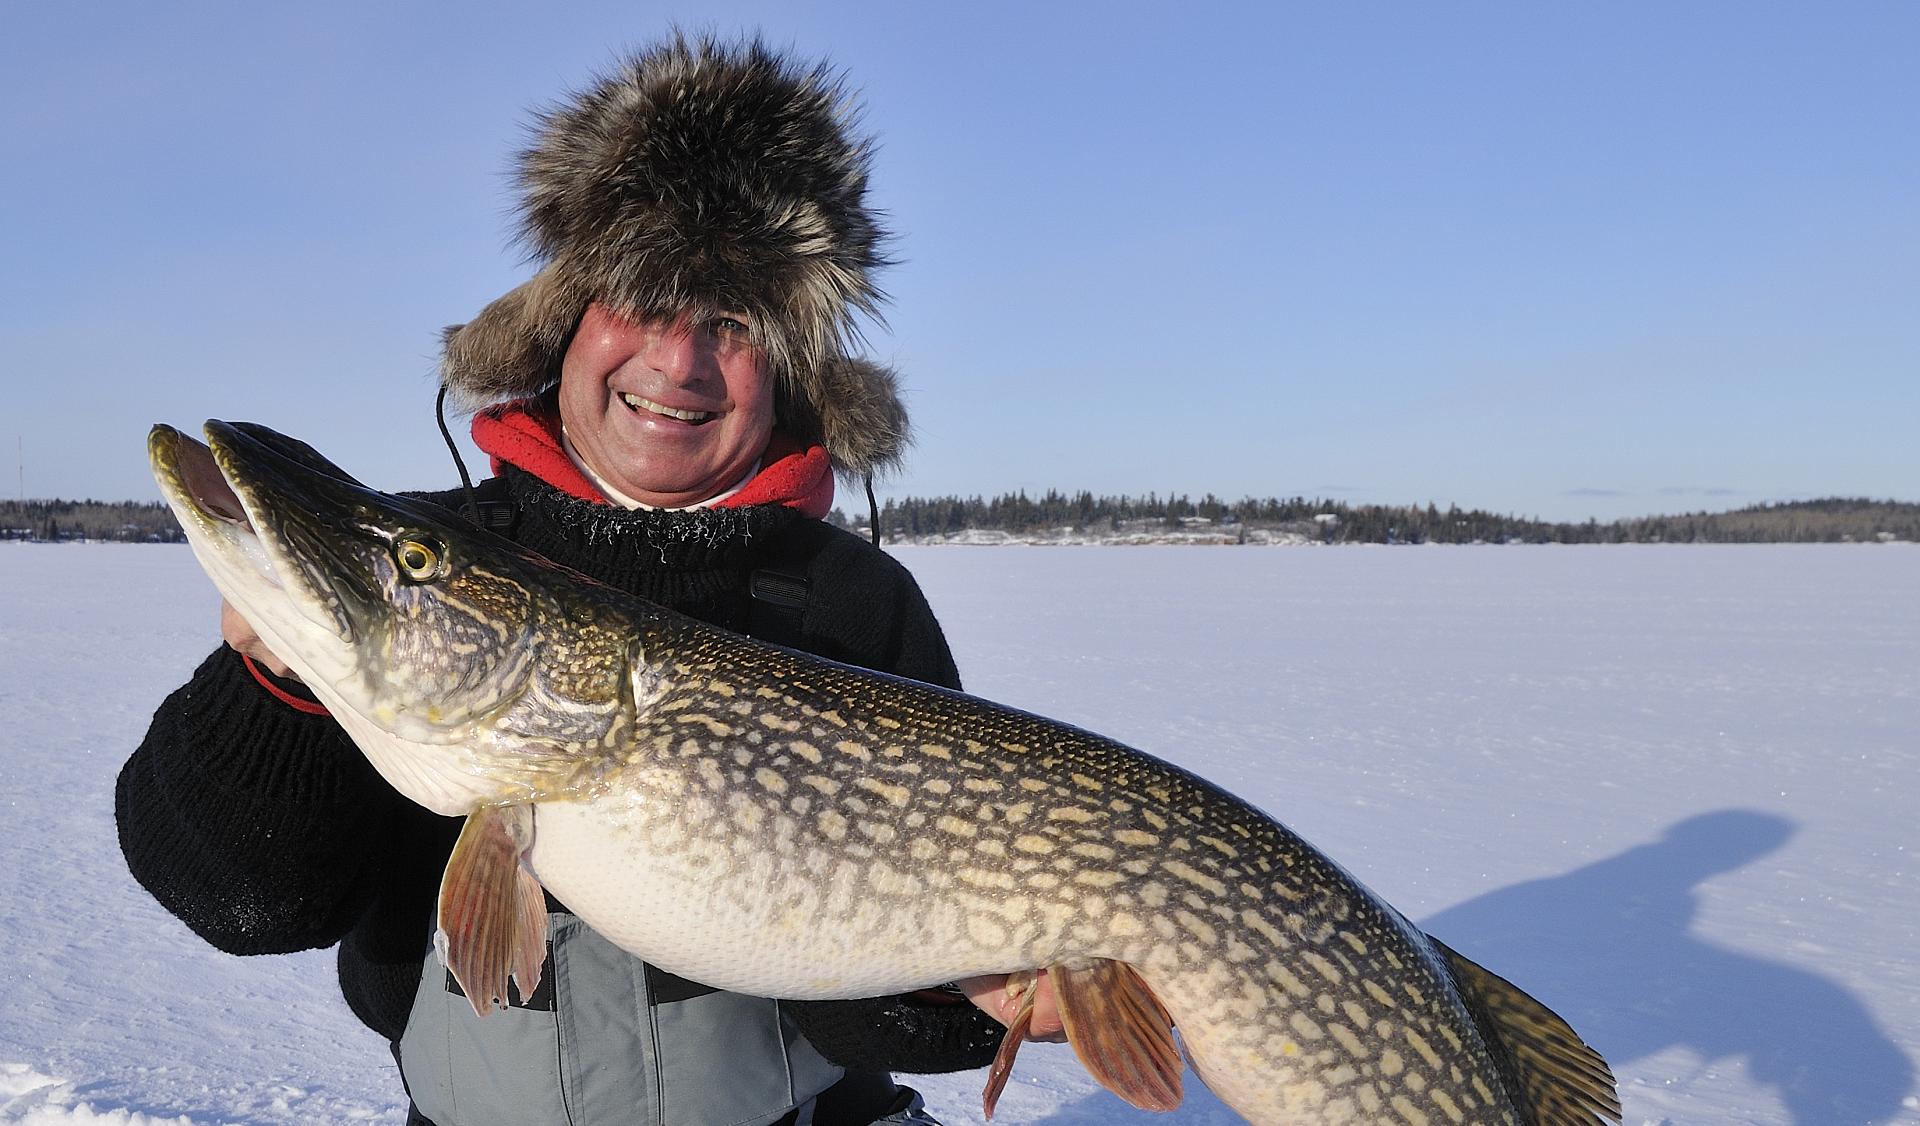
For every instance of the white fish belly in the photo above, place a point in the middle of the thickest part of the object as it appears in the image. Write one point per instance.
(771, 914)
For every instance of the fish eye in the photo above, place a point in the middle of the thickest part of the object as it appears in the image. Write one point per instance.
(419, 560)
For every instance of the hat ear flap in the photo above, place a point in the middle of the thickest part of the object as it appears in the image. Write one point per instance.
(866, 432)
(514, 347)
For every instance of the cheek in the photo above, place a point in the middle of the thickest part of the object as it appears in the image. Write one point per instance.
(763, 413)
(572, 382)
(583, 399)
(750, 386)
(591, 357)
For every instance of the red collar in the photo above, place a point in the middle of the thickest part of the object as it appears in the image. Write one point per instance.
(525, 433)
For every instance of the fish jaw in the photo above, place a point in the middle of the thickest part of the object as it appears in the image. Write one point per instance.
(219, 525)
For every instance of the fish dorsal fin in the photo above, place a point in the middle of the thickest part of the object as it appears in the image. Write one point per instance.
(1562, 1079)
(493, 913)
(1119, 1030)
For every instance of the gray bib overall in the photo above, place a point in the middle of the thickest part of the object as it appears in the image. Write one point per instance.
(605, 1040)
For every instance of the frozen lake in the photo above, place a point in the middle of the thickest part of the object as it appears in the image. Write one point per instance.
(1669, 790)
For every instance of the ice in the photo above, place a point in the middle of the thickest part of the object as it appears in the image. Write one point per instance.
(1669, 790)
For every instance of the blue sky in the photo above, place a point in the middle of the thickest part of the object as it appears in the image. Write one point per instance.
(1563, 260)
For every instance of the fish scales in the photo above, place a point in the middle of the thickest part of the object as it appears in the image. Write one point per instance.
(769, 822)
(791, 791)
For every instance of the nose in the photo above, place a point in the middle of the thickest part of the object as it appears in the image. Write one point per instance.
(674, 348)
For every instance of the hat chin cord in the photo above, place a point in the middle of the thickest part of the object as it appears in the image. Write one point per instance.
(466, 481)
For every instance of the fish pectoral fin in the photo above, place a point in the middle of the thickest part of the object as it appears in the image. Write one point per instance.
(1020, 985)
(493, 913)
(1120, 1031)
(1561, 1077)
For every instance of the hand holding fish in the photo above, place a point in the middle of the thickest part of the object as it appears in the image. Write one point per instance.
(242, 638)
(1000, 997)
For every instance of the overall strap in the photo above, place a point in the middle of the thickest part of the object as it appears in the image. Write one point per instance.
(491, 508)
(779, 604)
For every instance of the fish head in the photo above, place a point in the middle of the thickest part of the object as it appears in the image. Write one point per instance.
(391, 608)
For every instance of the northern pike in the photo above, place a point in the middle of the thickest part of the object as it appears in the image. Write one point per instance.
(777, 824)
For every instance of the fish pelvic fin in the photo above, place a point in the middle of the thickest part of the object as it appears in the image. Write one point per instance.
(1560, 1077)
(1023, 986)
(1120, 1031)
(493, 913)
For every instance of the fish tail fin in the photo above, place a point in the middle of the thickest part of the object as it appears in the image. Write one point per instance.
(1562, 1080)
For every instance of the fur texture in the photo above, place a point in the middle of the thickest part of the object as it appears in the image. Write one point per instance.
(702, 177)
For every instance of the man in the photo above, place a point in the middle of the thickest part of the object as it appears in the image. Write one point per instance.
(670, 396)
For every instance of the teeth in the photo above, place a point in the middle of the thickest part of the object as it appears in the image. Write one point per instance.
(638, 403)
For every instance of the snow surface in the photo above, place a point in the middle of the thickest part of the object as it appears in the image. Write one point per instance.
(1669, 790)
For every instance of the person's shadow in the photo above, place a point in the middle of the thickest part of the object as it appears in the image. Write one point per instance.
(1610, 945)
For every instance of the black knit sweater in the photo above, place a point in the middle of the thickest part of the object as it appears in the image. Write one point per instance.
(266, 831)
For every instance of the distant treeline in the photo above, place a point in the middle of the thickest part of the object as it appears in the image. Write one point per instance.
(50, 521)
(1833, 520)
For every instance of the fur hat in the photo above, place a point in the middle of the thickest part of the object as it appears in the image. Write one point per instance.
(702, 177)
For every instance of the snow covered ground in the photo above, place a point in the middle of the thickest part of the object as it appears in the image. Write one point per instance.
(1670, 790)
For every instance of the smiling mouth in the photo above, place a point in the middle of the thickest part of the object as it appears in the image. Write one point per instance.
(692, 418)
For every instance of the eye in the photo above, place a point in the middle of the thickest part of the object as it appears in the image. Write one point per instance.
(730, 327)
(418, 559)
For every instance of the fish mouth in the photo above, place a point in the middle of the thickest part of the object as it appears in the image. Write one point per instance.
(246, 498)
(210, 511)
(204, 486)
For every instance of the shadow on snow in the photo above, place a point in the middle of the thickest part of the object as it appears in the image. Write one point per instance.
(1611, 947)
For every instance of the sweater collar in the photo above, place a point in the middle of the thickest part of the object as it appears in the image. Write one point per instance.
(525, 433)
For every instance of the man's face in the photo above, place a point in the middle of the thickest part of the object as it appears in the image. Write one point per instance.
(670, 412)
